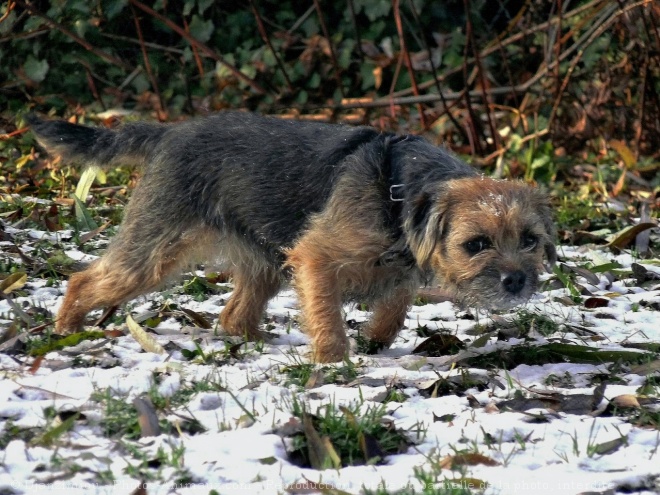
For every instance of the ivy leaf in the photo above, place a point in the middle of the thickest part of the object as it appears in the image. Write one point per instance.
(113, 7)
(201, 30)
(202, 5)
(35, 69)
(188, 6)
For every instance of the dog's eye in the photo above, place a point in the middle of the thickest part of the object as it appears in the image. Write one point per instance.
(476, 245)
(529, 240)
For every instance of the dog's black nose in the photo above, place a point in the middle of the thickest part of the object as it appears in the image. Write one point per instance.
(514, 282)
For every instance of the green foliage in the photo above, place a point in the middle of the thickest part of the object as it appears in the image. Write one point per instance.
(99, 57)
(68, 341)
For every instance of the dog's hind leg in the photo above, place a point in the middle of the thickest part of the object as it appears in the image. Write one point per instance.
(138, 261)
(247, 303)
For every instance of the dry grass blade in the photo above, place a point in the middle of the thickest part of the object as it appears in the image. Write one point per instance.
(322, 454)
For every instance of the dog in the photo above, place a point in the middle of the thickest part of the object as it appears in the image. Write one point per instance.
(347, 213)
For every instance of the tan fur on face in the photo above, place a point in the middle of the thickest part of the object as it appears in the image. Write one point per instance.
(497, 210)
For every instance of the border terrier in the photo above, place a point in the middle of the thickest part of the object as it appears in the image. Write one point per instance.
(349, 213)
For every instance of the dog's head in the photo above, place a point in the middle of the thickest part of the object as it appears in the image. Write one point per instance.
(484, 239)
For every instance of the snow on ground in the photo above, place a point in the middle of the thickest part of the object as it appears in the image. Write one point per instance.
(241, 450)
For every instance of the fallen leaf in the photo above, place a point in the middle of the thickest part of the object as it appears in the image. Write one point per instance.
(13, 282)
(620, 184)
(596, 302)
(147, 417)
(439, 345)
(36, 364)
(322, 454)
(471, 459)
(624, 152)
(626, 401)
(350, 417)
(146, 341)
(586, 273)
(196, 318)
(71, 340)
(93, 233)
(610, 447)
(370, 448)
(627, 235)
(646, 368)
(316, 379)
(568, 404)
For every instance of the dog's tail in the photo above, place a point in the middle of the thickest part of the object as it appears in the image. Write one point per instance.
(129, 144)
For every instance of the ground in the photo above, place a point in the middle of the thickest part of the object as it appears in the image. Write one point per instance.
(559, 396)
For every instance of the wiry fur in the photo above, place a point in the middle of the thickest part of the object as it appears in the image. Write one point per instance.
(273, 198)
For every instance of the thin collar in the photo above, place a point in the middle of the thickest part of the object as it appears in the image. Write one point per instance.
(394, 189)
(397, 187)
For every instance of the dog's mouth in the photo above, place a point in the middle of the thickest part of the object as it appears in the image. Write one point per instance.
(492, 293)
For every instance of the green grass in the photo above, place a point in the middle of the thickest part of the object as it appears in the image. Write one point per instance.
(527, 321)
(357, 435)
(299, 373)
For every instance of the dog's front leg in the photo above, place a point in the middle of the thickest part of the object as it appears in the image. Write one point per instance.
(320, 300)
(389, 315)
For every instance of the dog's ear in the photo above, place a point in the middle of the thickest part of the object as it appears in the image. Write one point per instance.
(424, 225)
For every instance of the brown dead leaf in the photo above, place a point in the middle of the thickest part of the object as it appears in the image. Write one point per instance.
(472, 459)
(196, 318)
(624, 152)
(93, 233)
(626, 401)
(9, 333)
(234, 350)
(646, 368)
(51, 219)
(439, 345)
(322, 454)
(316, 379)
(378, 76)
(113, 334)
(370, 448)
(36, 364)
(472, 401)
(625, 237)
(290, 428)
(147, 417)
(620, 184)
(350, 417)
(596, 302)
(591, 277)
(140, 490)
(568, 404)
